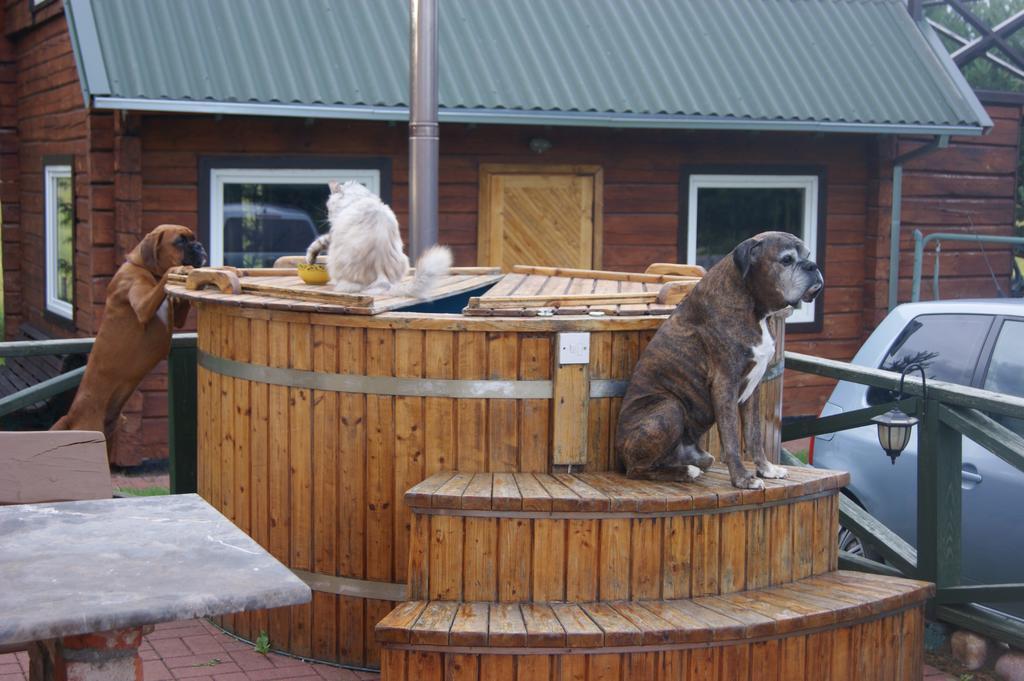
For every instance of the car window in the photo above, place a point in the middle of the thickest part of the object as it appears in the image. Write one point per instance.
(946, 345)
(1006, 369)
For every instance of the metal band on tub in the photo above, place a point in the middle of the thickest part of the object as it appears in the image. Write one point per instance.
(411, 387)
(349, 586)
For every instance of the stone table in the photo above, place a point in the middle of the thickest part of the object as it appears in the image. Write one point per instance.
(80, 581)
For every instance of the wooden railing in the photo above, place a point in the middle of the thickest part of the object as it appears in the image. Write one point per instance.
(946, 411)
(181, 384)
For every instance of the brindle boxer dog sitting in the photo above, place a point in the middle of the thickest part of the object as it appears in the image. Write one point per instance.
(704, 364)
(135, 333)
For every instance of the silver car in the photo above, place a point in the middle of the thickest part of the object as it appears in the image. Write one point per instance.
(977, 343)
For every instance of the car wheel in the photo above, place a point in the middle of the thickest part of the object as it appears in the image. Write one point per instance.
(850, 543)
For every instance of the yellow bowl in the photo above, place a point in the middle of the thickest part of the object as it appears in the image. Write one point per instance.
(313, 274)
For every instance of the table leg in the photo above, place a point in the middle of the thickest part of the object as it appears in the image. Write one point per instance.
(104, 656)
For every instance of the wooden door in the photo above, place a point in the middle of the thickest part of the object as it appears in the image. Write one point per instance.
(540, 215)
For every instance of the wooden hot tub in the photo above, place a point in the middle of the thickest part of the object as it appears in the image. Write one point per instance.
(317, 411)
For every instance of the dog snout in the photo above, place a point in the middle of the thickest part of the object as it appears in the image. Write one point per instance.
(196, 255)
(816, 281)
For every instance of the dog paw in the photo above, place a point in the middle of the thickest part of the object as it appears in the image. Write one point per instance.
(692, 473)
(706, 462)
(748, 482)
(772, 471)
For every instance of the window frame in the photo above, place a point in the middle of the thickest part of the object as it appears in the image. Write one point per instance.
(981, 360)
(812, 179)
(54, 168)
(989, 347)
(216, 171)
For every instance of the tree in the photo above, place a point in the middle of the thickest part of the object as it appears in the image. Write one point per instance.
(982, 73)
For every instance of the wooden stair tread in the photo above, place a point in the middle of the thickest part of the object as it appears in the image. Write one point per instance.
(608, 492)
(834, 599)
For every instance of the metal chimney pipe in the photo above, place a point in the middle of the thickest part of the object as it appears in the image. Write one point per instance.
(424, 140)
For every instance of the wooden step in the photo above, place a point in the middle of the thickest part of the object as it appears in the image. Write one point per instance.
(841, 623)
(600, 536)
(608, 492)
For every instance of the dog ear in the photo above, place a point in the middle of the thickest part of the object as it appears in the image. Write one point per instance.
(149, 250)
(335, 186)
(745, 254)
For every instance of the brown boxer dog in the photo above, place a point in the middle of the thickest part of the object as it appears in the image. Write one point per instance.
(704, 364)
(135, 333)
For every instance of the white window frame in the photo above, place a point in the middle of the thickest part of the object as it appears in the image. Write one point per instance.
(51, 173)
(809, 231)
(222, 176)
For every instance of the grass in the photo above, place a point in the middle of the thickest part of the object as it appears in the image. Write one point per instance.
(262, 644)
(154, 491)
(802, 455)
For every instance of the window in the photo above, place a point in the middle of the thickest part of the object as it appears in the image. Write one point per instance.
(723, 209)
(1006, 368)
(946, 345)
(262, 209)
(60, 240)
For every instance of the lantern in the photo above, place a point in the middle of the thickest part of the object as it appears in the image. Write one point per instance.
(894, 426)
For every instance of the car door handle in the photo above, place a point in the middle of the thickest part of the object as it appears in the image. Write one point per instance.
(970, 476)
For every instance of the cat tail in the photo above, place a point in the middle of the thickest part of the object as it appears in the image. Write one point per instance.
(317, 247)
(431, 266)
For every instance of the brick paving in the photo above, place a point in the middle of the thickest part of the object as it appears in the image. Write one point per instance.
(198, 651)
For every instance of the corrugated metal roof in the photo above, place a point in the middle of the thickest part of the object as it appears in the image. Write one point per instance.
(806, 64)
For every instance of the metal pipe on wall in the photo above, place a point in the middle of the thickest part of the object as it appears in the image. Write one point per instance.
(895, 224)
(424, 133)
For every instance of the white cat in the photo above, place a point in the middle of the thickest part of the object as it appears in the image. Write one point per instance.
(364, 248)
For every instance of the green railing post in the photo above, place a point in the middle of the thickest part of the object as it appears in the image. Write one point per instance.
(939, 461)
(181, 406)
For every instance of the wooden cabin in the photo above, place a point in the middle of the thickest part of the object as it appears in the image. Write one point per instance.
(600, 135)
